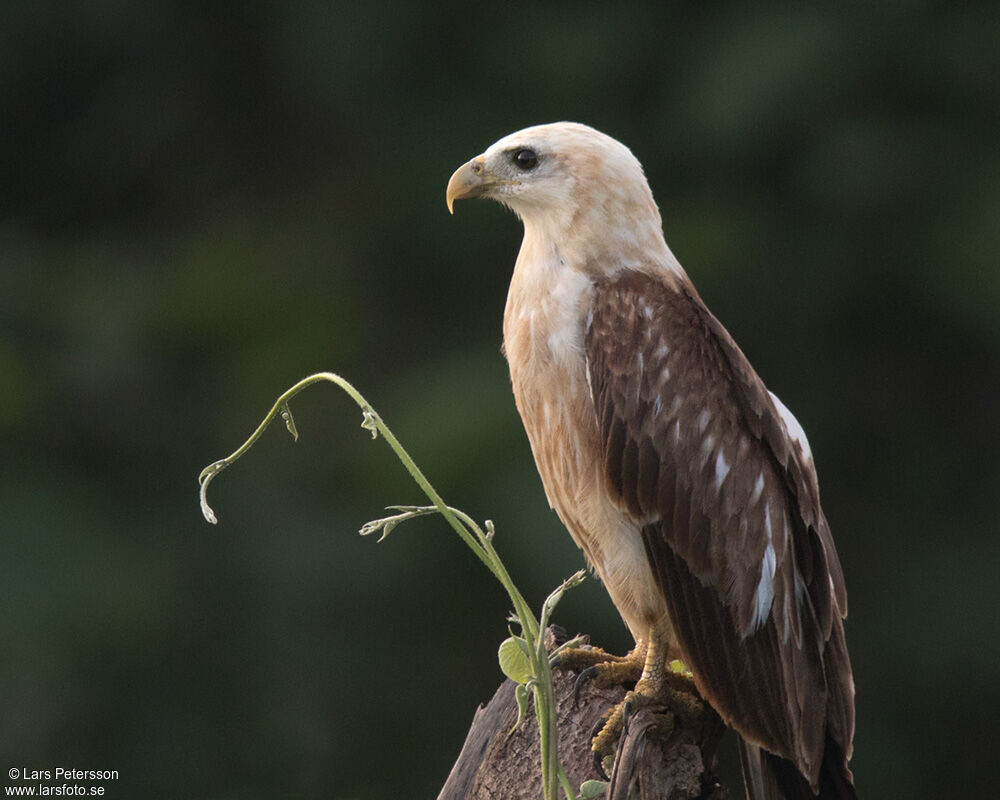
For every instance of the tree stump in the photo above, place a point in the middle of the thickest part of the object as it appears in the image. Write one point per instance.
(666, 753)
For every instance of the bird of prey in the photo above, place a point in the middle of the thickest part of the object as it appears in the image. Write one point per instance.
(689, 486)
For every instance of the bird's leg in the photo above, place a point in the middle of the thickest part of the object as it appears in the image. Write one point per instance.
(659, 684)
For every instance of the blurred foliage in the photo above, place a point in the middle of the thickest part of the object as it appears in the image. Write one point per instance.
(203, 202)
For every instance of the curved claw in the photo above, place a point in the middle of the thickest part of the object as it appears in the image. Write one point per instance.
(584, 676)
(599, 754)
(632, 705)
(601, 722)
(599, 765)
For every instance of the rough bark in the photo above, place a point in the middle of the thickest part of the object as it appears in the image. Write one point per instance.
(666, 753)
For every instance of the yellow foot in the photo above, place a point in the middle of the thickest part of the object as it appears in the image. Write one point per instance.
(605, 669)
(660, 683)
(657, 683)
(671, 690)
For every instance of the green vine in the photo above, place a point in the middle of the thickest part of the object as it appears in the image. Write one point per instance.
(523, 656)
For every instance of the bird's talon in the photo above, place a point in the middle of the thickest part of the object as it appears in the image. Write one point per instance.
(604, 765)
(584, 676)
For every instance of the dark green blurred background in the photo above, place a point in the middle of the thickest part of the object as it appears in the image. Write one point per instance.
(204, 202)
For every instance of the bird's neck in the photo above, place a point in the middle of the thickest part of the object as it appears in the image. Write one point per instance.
(600, 241)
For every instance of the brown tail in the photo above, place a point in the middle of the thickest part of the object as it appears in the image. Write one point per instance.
(770, 777)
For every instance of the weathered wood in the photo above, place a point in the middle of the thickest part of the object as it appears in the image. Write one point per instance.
(668, 753)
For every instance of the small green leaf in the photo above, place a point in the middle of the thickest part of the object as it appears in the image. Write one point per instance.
(592, 789)
(553, 599)
(514, 662)
(521, 695)
(680, 668)
(286, 415)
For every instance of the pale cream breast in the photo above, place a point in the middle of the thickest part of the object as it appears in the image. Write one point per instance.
(543, 339)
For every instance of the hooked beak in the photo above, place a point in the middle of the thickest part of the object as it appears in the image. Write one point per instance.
(470, 180)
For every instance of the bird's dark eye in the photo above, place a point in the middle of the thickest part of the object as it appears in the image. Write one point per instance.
(525, 159)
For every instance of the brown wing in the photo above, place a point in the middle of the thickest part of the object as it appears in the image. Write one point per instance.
(696, 452)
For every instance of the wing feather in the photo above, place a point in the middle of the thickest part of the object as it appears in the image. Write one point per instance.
(696, 452)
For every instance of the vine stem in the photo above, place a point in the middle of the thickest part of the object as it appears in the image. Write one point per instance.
(469, 531)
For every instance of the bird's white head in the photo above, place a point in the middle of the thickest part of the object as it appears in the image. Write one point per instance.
(573, 186)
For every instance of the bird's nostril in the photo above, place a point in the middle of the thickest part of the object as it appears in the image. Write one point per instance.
(477, 168)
